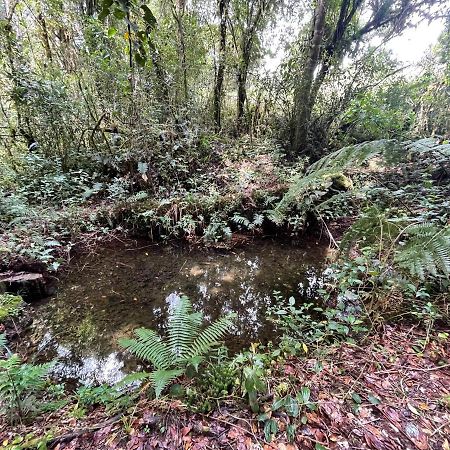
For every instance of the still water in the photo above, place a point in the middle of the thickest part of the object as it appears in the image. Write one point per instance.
(108, 294)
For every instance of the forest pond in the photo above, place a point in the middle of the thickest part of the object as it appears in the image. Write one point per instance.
(108, 294)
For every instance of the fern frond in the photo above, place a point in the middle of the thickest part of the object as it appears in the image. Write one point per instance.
(132, 378)
(149, 347)
(160, 379)
(210, 336)
(185, 345)
(306, 190)
(183, 326)
(354, 155)
(427, 251)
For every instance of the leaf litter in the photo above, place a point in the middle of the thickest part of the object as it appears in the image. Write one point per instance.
(382, 394)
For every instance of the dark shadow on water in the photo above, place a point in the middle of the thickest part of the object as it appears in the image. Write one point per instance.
(105, 296)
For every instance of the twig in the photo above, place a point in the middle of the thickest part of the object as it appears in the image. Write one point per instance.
(236, 426)
(77, 433)
(417, 369)
(440, 428)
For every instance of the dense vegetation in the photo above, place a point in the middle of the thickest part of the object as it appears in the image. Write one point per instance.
(171, 120)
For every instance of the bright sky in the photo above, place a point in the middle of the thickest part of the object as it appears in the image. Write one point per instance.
(408, 48)
(412, 45)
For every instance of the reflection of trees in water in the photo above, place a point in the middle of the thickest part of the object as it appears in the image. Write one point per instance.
(125, 290)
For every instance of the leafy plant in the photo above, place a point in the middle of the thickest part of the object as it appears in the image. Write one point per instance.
(252, 366)
(109, 396)
(426, 250)
(312, 325)
(186, 344)
(214, 383)
(21, 387)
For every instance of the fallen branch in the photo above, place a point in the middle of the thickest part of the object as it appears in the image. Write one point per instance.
(74, 434)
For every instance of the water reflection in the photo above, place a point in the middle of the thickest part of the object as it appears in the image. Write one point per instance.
(107, 295)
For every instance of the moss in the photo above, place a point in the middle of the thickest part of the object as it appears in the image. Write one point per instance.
(10, 306)
(340, 181)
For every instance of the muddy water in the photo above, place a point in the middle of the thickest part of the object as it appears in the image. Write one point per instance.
(106, 295)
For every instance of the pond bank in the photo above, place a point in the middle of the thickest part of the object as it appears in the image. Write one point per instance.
(381, 395)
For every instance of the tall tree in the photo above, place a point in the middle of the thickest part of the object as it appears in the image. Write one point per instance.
(178, 13)
(218, 87)
(248, 18)
(303, 98)
(335, 30)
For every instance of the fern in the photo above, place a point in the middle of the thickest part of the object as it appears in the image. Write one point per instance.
(306, 191)
(149, 347)
(372, 228)
(186, 344)
(354, 155)
(19, 386)
(426, 250)
(160, 379)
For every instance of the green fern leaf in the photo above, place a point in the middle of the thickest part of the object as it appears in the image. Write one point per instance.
(211, 335)
(132, 378)
(185, 345)
(149, 347)
(426, 250)
(182, 328)
(160, 379)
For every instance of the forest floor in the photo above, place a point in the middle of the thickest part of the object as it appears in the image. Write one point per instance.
(390, 392)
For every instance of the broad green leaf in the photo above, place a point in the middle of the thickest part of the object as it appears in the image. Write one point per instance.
(277, 404)
(112, 31)
(149, 18)
(356, 398)
(291, 406)
(374, 400)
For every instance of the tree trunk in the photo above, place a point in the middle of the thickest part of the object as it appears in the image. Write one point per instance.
(303, 99)
(223, 6)
(178, 14)
(242, 93)
(45, 37)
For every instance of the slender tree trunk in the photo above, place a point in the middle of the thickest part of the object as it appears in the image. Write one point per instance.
(45, 37)
(163, 91)
(178, 14)
(255, 16)
(242, 92)
(10, 43)
(218, 88)
(91, 6)
(303, 101)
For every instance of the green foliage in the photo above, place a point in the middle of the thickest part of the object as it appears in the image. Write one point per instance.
(313, 326)
(307, 192)
(22, 388)
(293, 406)
(186, 344)
(29, 441)
(426, 250)
(215, 382)
(10, 306)
(109, 396)
(253, 367)
(377, 114)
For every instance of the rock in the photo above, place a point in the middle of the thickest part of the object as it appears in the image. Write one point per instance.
(31, 286)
